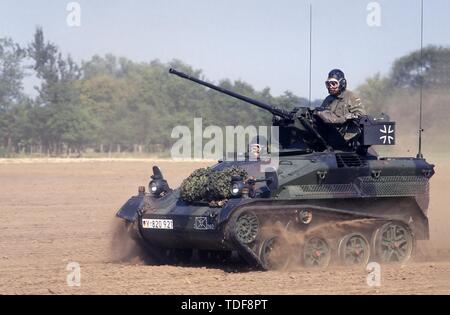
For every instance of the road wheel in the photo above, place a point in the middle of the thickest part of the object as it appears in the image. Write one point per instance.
(354, 250)
(393, 242)
(274, 254)
(316, 252)
(247, 227)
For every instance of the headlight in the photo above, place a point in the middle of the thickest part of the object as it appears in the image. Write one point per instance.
(153, 187)
(236, 189)
(157, 187)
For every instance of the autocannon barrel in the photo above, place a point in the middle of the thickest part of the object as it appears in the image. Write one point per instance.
(275, 111)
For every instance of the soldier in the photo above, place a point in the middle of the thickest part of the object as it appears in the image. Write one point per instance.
(341, 105)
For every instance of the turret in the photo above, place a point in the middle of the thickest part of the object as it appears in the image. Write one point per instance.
(301, 131)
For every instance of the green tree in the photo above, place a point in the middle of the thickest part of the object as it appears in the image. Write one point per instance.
(11, 90)
(375, 92)
(433, 64)
(62, 124)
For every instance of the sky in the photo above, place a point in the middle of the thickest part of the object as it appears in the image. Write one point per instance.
(262, 42)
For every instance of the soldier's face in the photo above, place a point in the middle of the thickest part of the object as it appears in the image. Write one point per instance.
(332, 86)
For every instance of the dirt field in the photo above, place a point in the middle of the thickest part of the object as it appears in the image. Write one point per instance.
(53, 213)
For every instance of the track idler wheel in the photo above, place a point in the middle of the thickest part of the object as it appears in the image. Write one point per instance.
(393, 242)
(354, 250)
(316, 252)
(274, 253)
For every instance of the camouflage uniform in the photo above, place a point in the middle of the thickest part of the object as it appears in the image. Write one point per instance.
(334, 109)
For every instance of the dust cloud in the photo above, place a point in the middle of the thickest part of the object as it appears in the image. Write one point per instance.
(123, 248)
(56, 213)
(403, 108)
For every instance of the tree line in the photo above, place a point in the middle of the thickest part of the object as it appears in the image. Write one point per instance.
(113, 104)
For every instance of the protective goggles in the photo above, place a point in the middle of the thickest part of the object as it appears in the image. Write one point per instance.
(332, 83)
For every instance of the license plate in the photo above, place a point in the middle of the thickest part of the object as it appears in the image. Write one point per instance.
(162, 224)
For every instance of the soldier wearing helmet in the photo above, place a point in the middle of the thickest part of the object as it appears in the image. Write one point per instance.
(341, 105)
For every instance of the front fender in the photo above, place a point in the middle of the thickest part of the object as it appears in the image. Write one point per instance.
(130, 210)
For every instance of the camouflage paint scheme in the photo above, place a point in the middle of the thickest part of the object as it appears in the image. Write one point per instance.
(347, 187)
(320, 173)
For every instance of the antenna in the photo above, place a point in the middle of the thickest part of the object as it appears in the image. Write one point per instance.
(419, 154)
(310, 51)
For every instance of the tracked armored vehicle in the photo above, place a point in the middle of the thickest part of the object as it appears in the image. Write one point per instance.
(329, 199)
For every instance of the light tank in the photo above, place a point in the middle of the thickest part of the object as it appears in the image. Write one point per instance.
(330, 199)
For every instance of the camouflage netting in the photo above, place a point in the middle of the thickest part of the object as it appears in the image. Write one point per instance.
(205, 184)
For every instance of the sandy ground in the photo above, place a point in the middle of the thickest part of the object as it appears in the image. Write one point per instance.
(55, 213)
